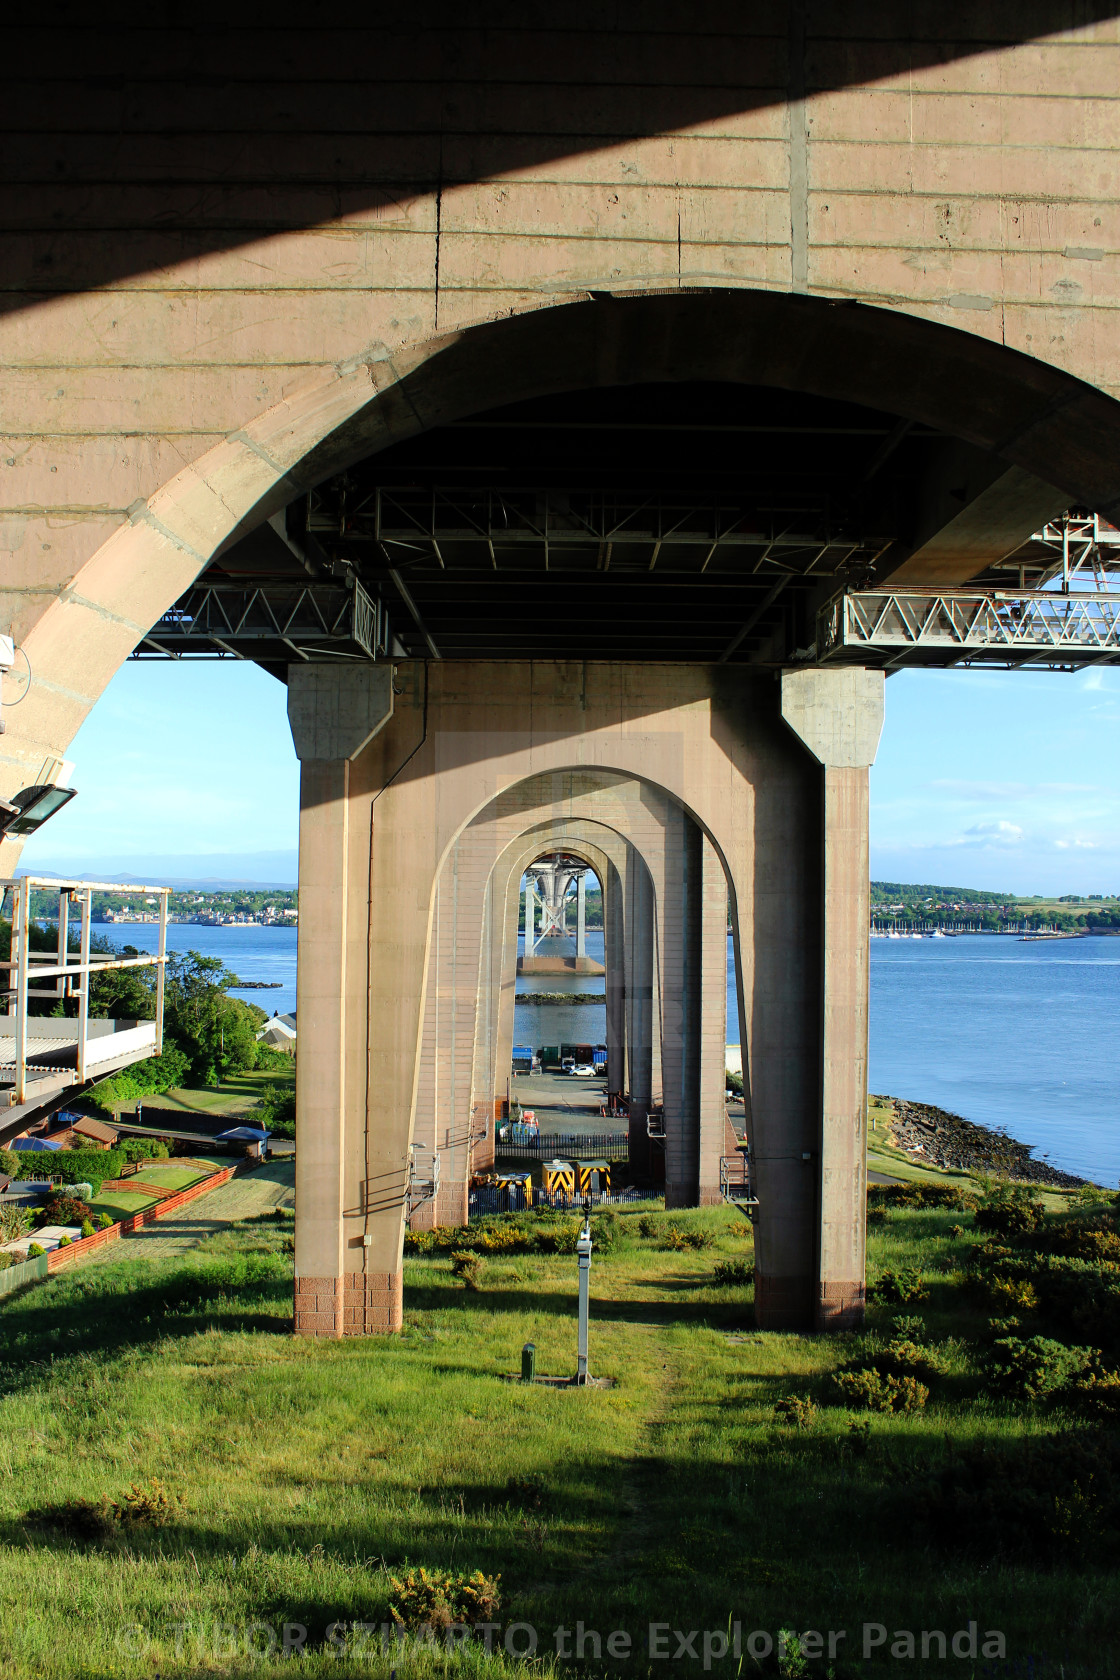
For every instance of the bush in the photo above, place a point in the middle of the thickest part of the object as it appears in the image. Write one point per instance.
(876, 1216)
(606, 1229)
(15, 1221)
(903, 1357)
(1050, 1497)
(143, 1149)
(1014, 1293)
(1010, 1210)
(34, 1250)
(648, 1225)
(87, 1227)
(899, 1287)
(910, 1327)
(727, 1273)
(10, 1164)
(6, 1260)
(438, 1599)
(869, 1390)
(798, 1412)
(104, 1220)
(64, 1242)
(86, 1166)
(62, 1210)
(1027, 1370)
(149, 1505)
(467, 1267)
(920, 1196)
(677, 1241)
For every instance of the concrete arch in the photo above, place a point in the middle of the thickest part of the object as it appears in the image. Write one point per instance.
(459, 754)
(1041, 420)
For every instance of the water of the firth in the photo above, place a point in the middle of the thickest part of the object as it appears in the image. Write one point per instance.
(1006, 1033)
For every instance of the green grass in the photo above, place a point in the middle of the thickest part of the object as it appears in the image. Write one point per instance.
(172, 1178)
(237, 1094)
(120, 1203)
(311, 1472)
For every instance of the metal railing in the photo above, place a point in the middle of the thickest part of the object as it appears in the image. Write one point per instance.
(491, 1199)
(71, 973)
(612, 1146)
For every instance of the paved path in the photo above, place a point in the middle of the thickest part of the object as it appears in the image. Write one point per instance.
(243, 1197)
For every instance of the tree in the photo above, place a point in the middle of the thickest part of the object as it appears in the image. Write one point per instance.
(217, 1033)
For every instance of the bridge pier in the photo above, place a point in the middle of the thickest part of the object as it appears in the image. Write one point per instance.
(424, 798)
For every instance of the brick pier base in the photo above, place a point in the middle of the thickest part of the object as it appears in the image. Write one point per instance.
(356, 1304)
(783, 1303)
(840, 1306)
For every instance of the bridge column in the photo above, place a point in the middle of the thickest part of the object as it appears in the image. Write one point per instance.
(334, 711)
(838, 715)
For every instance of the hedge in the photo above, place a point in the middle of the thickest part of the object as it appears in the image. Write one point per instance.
(76, 1166)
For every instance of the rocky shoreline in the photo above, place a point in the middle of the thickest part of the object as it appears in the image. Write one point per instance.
(941, 1139)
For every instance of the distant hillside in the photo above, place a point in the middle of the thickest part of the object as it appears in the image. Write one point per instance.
(906, 892)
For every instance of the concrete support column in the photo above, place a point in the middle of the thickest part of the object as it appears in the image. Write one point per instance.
(342, 1286)
(530, 917)
(640, 910)
(615, 982)
(713, 1025)
(581, 914)
(681, 1008)
(838, 715)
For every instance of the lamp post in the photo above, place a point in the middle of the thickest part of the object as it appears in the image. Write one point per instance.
(583, 1249)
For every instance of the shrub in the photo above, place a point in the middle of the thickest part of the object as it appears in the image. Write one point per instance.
(647, 1225)
(467, 1267)
(1010, 1210)
(64, 1242)
(906, 1358)
(439, 1599)
(677, 1241)
(104, 1220)
(1027, 1370)
(1050, 1497)
(86, 1166)
(143, 1149)
(920, 1196)
(148, 1505)
(876, 1216)
(606, 1228)
(10, 1164)
(1018, 1294)
(87, 1227)
(15, 1221)
(62, 1210)
(869, 1390)
(1095, 1390)
(6, 1260)
(798, 1412)
(910, 1327)
(34, 1250)
(899, 1287)
(728, 1273)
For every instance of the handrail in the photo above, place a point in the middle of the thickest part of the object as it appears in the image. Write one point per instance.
(71, 971)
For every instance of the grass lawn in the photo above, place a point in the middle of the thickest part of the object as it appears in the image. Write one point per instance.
(236, 1095)
(303, 1476)
(172, 1178)
(118, 1204)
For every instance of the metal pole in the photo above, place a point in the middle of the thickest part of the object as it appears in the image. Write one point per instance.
(161, 968)
(86, 901)
(530, 918)
(583, 1249)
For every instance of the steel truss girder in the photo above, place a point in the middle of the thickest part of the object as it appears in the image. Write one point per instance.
(537, 519)
(311, 619)
(955, 627)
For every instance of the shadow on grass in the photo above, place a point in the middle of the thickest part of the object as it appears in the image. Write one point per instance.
(433, 1298)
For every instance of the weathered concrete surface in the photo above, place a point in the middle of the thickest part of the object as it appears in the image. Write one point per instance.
(335, 711)
(239, 257)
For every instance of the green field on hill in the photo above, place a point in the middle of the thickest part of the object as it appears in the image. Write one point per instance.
(727, 1478)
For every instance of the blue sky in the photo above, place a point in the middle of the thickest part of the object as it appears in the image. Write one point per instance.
(984, 779)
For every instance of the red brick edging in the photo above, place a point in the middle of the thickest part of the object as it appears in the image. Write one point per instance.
(59, 1257)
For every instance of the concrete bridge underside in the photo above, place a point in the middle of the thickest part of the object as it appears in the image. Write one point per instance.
(844, 279)
(706, 791)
